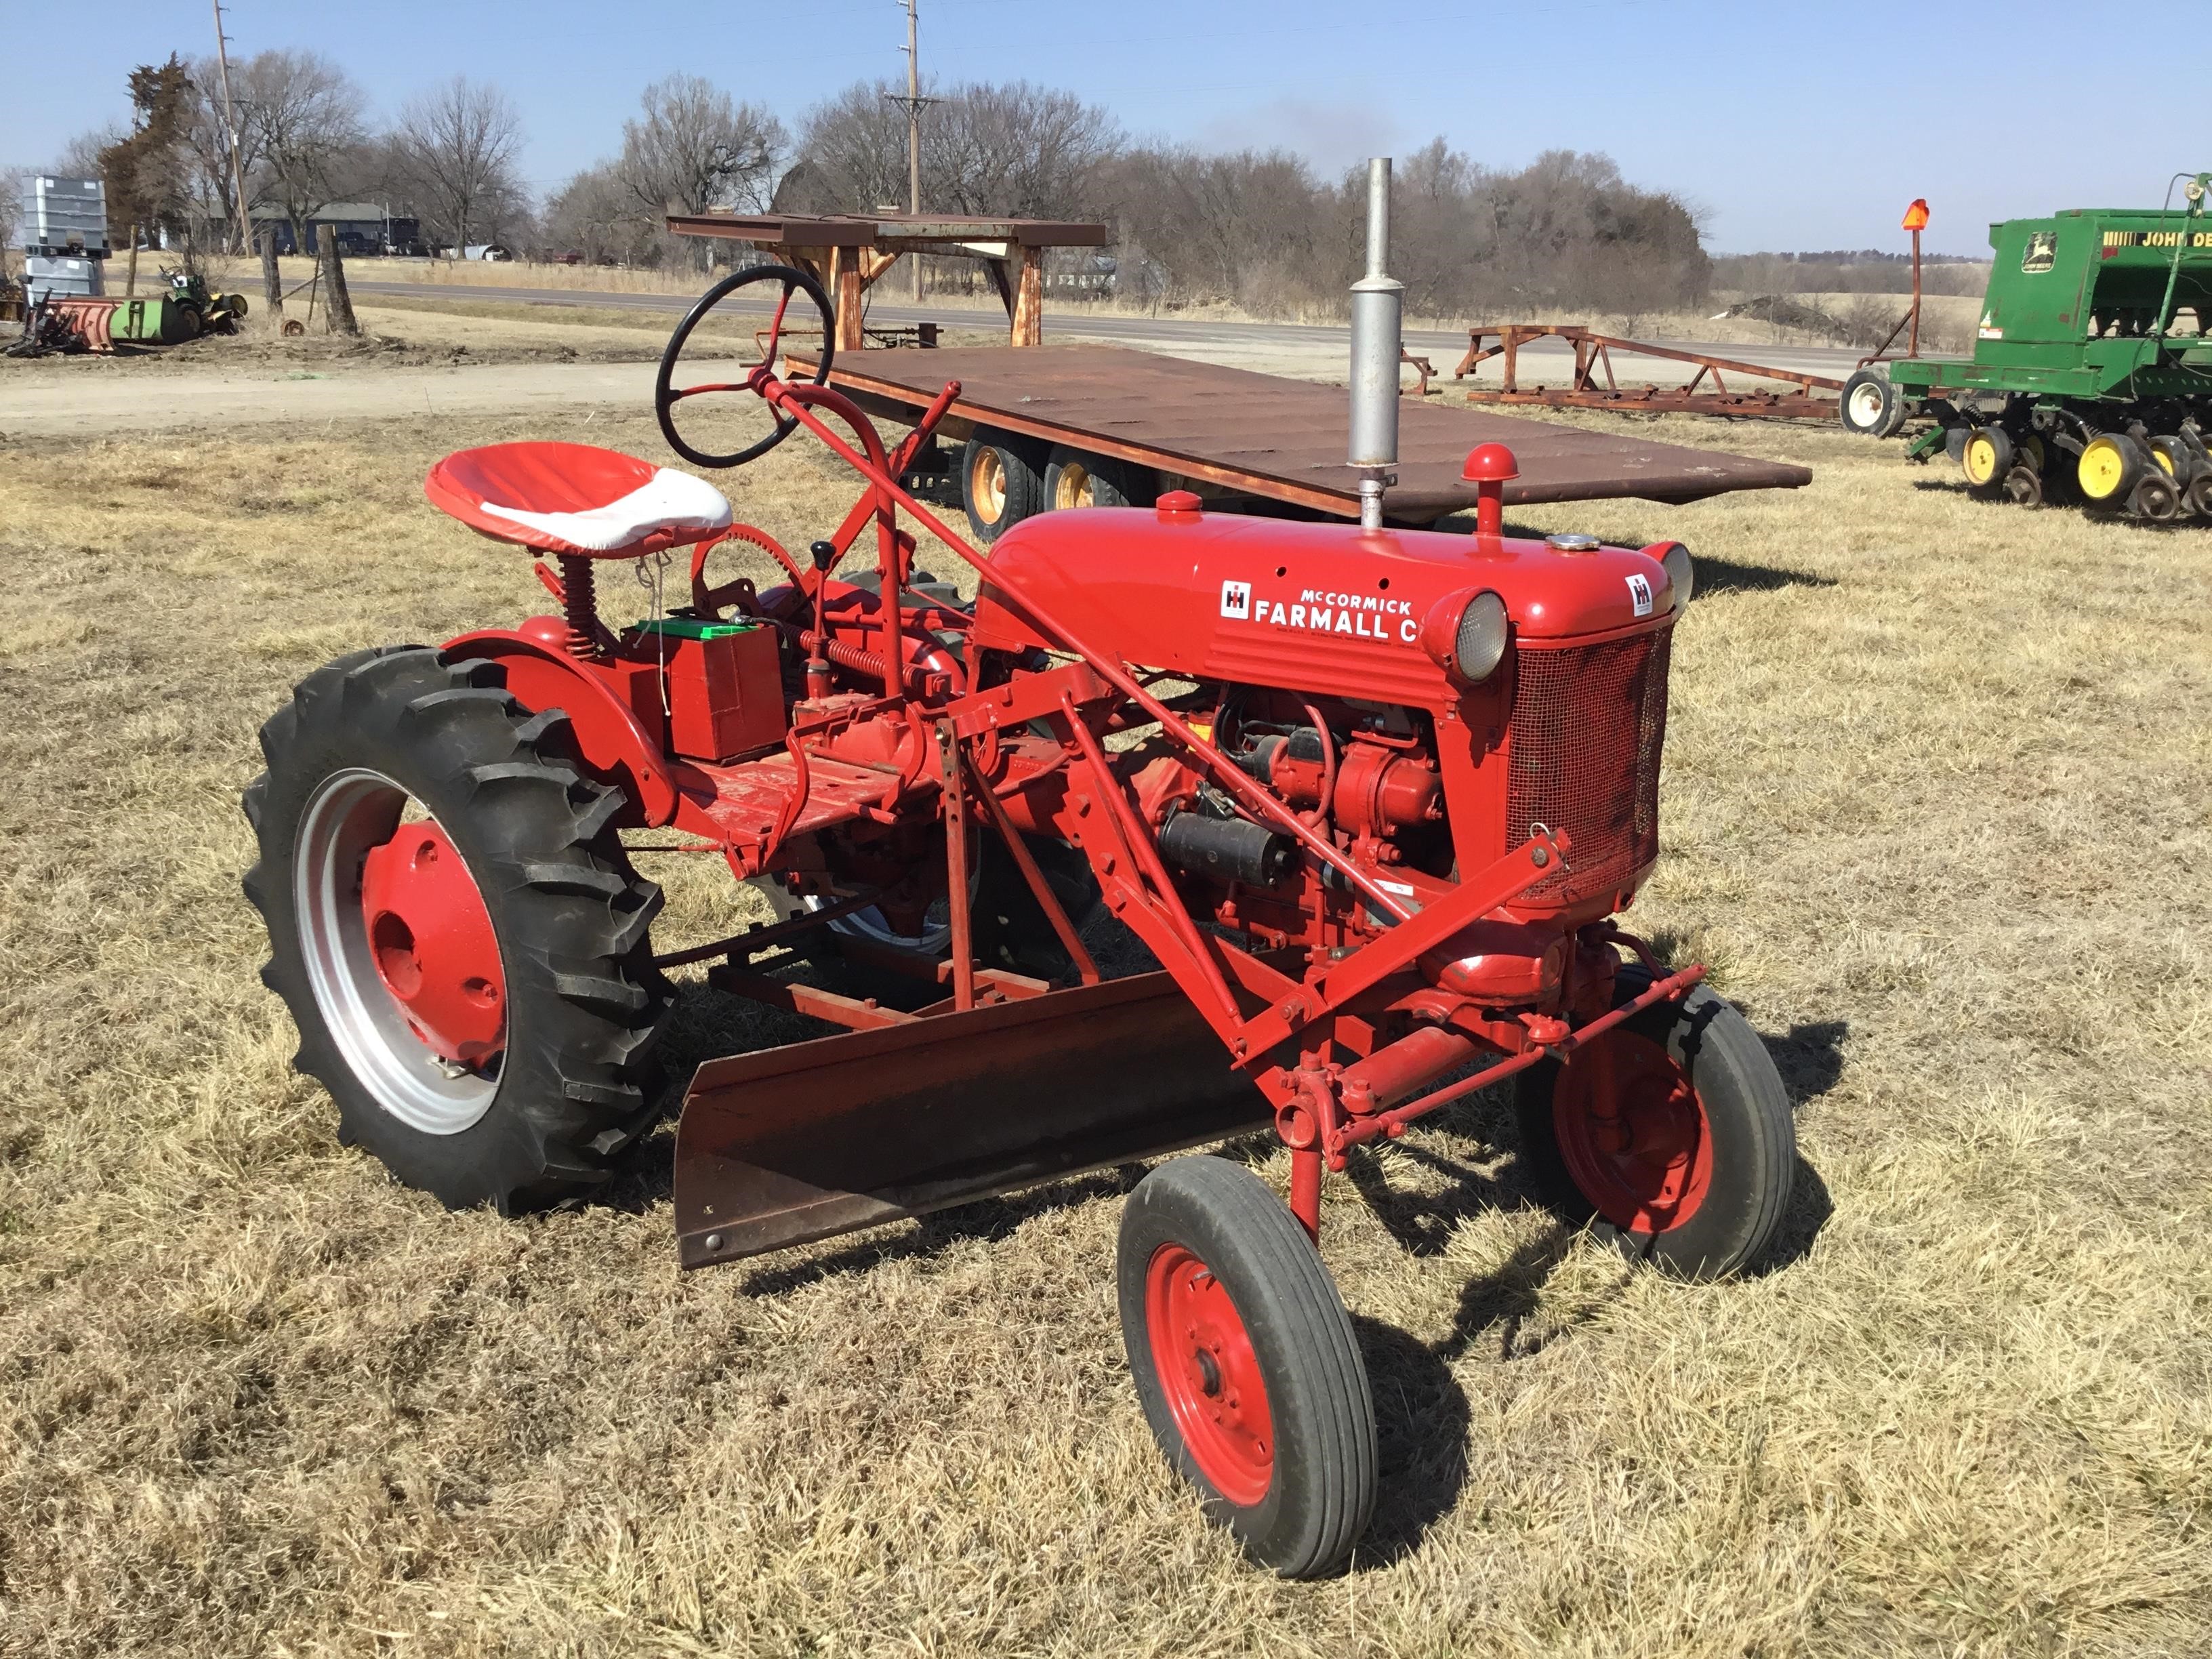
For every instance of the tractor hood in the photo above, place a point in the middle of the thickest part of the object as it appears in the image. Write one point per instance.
(1323, 608)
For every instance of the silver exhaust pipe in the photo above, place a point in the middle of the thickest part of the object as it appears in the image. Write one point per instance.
(1377, 300)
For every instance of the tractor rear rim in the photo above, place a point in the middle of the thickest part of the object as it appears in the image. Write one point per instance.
(1866, 406)
(986, 485)
(1633, 1133)
(1209, 1375)
(400, 952)
(1072, 488)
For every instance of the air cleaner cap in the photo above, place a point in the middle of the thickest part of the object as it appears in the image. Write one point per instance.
(1178, 504)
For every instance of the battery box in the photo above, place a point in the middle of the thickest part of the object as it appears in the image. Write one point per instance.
(725, 685)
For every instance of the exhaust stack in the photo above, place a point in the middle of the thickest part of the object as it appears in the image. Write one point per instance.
(1376, 299)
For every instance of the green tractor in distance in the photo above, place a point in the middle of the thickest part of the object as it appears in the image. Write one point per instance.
(203, 312)
(2092, 374)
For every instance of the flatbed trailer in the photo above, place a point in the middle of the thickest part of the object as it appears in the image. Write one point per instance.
(1092, 425)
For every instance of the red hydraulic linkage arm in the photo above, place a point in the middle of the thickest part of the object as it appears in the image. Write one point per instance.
(1111, 669)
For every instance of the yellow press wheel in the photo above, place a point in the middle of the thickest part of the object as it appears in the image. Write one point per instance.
(1987, 457)
(2111, 463)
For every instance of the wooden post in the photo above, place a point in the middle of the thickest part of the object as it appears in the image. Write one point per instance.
(272, 281)
(338, 304)
(846, 263)
(1029, 300)
(130, 278)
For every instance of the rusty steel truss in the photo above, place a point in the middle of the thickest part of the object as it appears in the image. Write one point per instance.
(1814, 399)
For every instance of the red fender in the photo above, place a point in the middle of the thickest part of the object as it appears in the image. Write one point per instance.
(611, 737)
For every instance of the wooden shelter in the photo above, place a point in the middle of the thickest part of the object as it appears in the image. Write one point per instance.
(848, 252)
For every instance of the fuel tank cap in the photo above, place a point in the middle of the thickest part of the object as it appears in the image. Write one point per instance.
(1572, 542)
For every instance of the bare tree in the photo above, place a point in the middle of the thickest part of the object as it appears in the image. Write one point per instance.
(853, 153)
(598, 216)
(692, 149)
(305, 116)
(80, 157)
(456, 147)
(208, 145)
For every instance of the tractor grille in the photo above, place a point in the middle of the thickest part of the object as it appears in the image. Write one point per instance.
(1589, 721)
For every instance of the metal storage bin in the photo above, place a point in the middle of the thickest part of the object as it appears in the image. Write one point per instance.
(63, 278)
(65, 216)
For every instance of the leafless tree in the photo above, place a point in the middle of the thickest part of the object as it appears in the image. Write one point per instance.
(1014, 148)
(12, 181)
(456, 147)
(692, 149)
(596, 215)
(303, 116)
(80, 157)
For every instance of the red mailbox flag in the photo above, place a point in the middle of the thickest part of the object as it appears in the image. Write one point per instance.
(1916, 216)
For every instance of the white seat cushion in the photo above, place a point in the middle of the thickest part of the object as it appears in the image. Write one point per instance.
(668, 500)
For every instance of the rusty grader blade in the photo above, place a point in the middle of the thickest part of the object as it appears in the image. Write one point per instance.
(795, 1143)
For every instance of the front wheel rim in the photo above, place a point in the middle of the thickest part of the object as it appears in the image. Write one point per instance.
(1633, 1133)
(1866, 407)
(358, 971)
(1209, 1376)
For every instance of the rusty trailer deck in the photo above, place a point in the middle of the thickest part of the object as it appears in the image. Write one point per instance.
(1281, 440)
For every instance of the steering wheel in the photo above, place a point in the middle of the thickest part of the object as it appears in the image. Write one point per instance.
(667, 395)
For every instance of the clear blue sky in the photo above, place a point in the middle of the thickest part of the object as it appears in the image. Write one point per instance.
(1792, 126)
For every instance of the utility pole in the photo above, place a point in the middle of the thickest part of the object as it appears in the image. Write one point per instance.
(913, 101)
(230, 132)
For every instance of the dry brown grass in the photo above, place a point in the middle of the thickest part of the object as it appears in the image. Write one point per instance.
(1936, 810)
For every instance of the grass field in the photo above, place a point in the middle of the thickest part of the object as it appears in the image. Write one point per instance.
(1936, 813)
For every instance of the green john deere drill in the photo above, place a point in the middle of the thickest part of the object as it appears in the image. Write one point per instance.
(2092, 374)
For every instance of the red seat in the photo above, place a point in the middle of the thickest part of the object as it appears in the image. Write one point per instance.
(577, 499)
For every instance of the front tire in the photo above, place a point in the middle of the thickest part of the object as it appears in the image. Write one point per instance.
(455, 929)
(1671, 1135)
(1245, 1364)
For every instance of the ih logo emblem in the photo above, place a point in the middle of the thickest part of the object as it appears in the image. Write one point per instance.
(1236, 601)
(1639, 594)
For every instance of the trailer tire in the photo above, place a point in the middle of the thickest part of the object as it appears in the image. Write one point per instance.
(1223, 1296)
(557, 1088)
(1001, 483)
(1704, 1083)
(1870, 406)
(1074, 478)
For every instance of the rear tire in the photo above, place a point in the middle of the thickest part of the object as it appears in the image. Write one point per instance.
(1000, 484)
(1245, 1361)
(544, 1116)
(1713, 1209)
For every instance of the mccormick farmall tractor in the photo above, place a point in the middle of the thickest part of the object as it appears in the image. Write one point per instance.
(1373, 798)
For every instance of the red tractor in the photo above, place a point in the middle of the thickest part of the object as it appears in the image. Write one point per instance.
(1372, 798)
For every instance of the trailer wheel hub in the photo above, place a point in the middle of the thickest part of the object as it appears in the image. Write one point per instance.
(1210, 1375)
(1633, 1133)
(433, 946)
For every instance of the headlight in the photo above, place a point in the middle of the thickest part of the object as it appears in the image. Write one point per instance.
(1466, 634)
(1682, 575)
